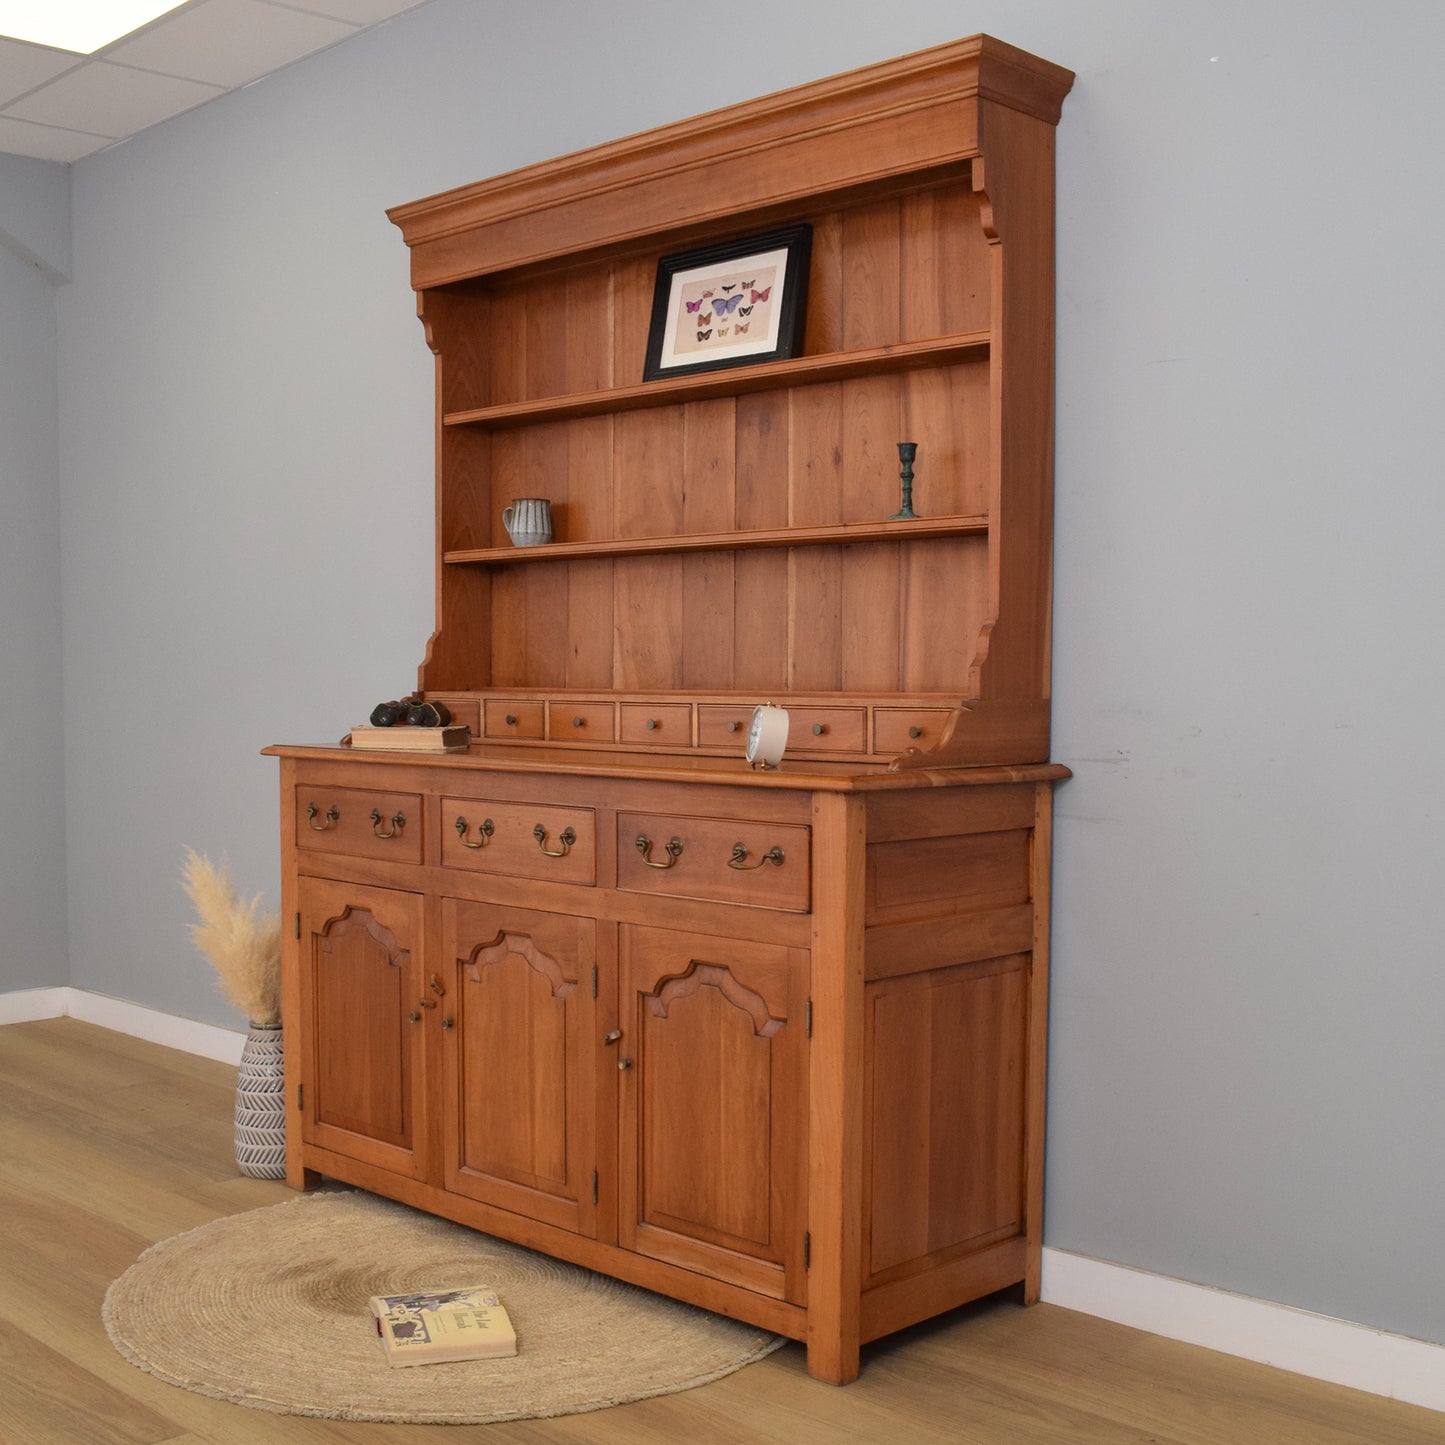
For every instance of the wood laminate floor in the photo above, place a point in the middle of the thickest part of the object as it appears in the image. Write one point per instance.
(108, 1144)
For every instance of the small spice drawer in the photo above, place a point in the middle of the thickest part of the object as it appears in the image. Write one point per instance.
(504, 717)
(656, 722)
(581, 722)
(359, 822)
(898, 728)
(723, 860)
(827, 729)
(520, 840)
(721, 725)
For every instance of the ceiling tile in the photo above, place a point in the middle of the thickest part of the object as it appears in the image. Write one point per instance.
(359, 12)
(111, 99)
(47, 142)
(229, 42)
(23, 67)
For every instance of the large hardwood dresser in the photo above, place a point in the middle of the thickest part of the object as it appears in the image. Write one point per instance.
(768, 1040)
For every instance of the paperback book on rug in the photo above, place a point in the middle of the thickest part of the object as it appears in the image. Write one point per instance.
(431, 1327)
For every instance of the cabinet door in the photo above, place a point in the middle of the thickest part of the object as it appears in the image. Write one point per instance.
(521, 1061)
(714, 1106)
(363, 1075)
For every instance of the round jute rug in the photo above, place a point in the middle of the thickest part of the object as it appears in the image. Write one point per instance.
(269, 1309)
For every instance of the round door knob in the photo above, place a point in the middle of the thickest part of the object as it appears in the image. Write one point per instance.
(446, 1023)
(652, 724)
(578, 722)
(623, 1065)
(511, 719)
(915, 732)
(819, 729)
(414, 1016)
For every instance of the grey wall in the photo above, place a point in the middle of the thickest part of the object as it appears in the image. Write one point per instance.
(1246, 1046)
(34, 226)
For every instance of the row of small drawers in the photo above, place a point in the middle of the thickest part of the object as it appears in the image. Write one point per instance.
(718, 725)
(724, 860)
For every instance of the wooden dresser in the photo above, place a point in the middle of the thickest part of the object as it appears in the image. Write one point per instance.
(771, 1041)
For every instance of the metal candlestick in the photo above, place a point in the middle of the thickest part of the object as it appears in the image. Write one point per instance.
(906, 453)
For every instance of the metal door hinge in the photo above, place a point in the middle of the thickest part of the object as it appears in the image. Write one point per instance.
(298, 925)
(594, 980)
(300, 1095)
(808, 1020)
(594, 1186)
(807, 1250)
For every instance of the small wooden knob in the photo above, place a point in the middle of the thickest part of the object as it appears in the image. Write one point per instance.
(915, 732)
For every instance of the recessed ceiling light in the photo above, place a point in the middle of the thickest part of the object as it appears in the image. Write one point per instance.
(79, 25)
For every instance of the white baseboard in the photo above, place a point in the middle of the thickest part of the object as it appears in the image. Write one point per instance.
(1252, 1329)
(134, 1019)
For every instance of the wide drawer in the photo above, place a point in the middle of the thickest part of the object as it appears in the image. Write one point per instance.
(725, 860)
(360, 822)
(520, 840)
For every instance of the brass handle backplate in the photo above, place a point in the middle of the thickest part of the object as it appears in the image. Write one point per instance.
(672, 848)
(739, 861)
(333, 816)
(567, 837)
(398, 822)
(486, 830)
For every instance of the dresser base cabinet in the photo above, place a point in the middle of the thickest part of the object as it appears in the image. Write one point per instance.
(819, 1109)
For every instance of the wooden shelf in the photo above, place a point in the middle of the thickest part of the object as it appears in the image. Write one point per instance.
(724, 541)
(734, 381)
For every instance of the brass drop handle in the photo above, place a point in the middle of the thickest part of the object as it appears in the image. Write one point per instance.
(426, 1003)
(774, 856)
(819, 729)
(436, 986)
(611, 1036)
(915, 731)
(398, 822)
(486, 830)
(673, 849)
(333, 816)
(567, 837)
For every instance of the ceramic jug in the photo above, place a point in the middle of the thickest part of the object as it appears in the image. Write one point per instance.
(528, 521)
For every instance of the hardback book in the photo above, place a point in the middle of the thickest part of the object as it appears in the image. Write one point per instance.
(403, 737)
(431, 1327)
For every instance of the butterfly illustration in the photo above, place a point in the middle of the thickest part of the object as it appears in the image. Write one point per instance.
(705, 319)
(692, 306)
(703, 335)
(722, 331)
(744, 310)
(731, 286)
(742, 327)
(724, 304)
(748, 285)
(706, 294)
(762, 295)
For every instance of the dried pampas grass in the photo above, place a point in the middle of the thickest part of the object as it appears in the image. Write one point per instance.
(242, 942)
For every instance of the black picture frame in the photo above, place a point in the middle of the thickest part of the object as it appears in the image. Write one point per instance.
(716, 284)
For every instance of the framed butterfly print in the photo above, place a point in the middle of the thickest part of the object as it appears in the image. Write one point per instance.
(732, 304)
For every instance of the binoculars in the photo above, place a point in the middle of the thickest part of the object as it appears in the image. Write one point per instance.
(411, 709)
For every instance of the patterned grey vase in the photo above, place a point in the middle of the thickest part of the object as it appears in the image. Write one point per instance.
(261, 1105)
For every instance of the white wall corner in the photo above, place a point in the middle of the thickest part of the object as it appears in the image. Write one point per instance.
(1271, 1334)
(210, 1042)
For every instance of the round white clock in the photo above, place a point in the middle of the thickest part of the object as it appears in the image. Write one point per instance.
(767, 736)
